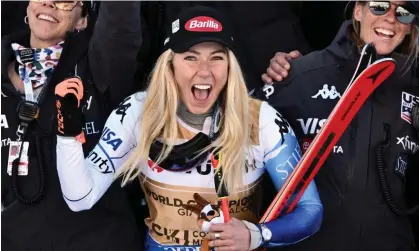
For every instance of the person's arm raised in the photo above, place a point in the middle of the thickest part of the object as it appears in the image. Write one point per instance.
(85, 180)
(115, 43)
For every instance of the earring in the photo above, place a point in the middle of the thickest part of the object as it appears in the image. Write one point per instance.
(25, 19)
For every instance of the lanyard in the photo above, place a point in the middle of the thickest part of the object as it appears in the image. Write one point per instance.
(27, 56)
(28, 88)
(27, 59)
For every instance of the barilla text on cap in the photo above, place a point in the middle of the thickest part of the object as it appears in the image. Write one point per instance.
(203, 24)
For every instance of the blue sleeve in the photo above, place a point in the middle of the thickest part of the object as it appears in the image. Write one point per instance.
(281, 154)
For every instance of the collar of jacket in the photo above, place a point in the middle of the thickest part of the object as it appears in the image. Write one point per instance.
(75, 48)
(343, 47)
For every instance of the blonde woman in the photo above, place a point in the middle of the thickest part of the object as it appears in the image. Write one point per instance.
(195, 119)
(363, 183)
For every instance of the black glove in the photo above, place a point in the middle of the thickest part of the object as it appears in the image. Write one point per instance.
(68, 96)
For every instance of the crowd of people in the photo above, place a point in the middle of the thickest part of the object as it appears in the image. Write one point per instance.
(172, 125)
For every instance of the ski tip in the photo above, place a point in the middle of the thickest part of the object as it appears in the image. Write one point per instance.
(386, 61)
(380, 70)
(388, 64)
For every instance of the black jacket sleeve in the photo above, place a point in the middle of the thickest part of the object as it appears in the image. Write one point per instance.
(282, 94)
(113, 48)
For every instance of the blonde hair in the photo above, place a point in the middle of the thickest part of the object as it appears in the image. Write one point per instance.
(158, 120)
(409, 46)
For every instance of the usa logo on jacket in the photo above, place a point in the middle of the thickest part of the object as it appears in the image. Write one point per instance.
(408, 101)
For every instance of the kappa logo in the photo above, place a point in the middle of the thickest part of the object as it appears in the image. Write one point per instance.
(407, 103)
(325, 93)
(283, 126)
(122, 108)
(203, 24)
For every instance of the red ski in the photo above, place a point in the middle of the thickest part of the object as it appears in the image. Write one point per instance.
(351, 101)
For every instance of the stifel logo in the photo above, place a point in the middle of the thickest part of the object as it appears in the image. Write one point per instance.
(203, 24)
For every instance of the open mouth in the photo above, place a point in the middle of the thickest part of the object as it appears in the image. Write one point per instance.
(47, 18)
(201, 92)
(384, 33)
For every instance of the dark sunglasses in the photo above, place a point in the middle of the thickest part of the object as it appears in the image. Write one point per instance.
(380, 8)
(185, 156)
(62, 5)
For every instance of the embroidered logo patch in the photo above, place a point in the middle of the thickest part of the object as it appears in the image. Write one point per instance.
(407, 103)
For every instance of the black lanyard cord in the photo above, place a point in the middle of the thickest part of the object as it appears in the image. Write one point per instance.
(27, 113)
(15, 167)
(386, 192)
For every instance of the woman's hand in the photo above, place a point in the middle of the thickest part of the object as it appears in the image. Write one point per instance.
(279, 67)
(68, 95)
(231, 236)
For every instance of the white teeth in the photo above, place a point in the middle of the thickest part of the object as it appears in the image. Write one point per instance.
(202, 87)
(385, 32)
(47, 18)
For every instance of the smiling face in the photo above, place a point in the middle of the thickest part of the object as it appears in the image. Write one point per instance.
(384, 31)
(49, 25)
(201, 74)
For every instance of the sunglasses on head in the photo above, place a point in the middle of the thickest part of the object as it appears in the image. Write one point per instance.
(380, 8)
(62, 5)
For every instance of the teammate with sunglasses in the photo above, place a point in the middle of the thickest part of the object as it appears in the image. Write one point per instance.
(196, 104)
(363, 209)
(62, 47)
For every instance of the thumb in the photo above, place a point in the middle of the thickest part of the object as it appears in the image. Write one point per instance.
(294, 54)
